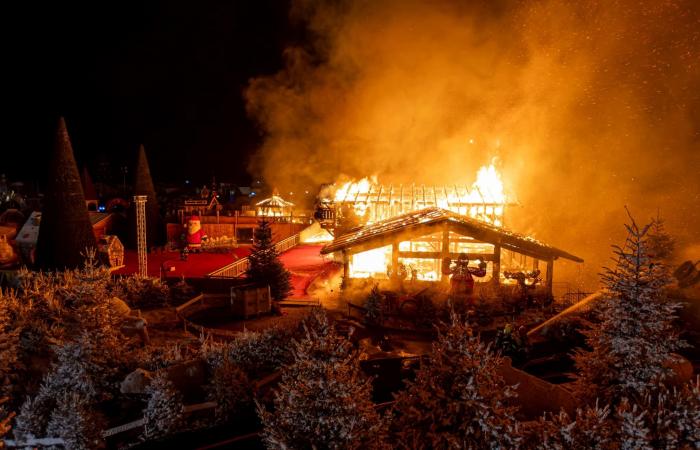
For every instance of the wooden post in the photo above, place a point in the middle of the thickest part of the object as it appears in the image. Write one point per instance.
(550, 276)
(395, 259)
(496, 272)
(346, 266)
(445, 250)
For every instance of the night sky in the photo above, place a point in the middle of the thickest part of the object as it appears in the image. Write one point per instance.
(169, 74)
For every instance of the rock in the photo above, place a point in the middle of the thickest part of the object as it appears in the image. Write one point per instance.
(682, 370)
(136, 382)
(536, 396)
(119, 307)
(187, 377)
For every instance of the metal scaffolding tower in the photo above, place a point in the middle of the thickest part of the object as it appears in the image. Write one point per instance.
(140, 201)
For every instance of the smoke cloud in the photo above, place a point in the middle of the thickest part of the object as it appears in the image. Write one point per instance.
(589, 106)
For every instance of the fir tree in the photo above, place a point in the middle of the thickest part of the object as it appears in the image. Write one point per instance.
(660, 243)
(458, 399)
(373, 306)
(591, 428)
(164, 412)
(74, 421)
(669, 418)
(230, 389)
(632, 343)
(32, 419)
(323, 401)
(143, 185)
(265, 268)
(65, 231)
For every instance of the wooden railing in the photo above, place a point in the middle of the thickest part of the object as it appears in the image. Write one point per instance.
(239, 268)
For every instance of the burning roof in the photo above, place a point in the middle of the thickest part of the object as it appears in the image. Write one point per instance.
(430, 219)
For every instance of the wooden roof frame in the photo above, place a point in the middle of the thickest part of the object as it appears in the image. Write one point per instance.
(432, 220)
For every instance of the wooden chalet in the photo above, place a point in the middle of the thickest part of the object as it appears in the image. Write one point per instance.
(421, 240)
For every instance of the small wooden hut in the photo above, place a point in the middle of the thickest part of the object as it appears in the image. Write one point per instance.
(110, 250)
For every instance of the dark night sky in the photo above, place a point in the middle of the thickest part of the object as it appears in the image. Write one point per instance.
(169, 74)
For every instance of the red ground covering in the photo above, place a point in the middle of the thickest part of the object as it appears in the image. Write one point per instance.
(198, 265)
(306, 263)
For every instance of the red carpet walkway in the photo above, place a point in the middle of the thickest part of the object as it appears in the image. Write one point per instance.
(306, 263)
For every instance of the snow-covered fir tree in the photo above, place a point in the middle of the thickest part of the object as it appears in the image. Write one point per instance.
(635, 337)
(163, 415)
(230, 389)
(668, 418)
(32, 419)
(257, 353)
(634, 435)
(458, 399)
(591, 428)
(265, 268)
(76, 423)
(323, 401)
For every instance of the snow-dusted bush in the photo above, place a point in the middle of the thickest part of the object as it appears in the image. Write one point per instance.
(458, 399)
(163, 415)
(668, 418)
(141, 292)
(323, 401)
(230, 389)
(261, 352)
(157, 357)
(75, 423)
(633, 342)
(591, 428)
(32, 419)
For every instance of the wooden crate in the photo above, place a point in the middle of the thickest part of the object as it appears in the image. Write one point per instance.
(250, 301)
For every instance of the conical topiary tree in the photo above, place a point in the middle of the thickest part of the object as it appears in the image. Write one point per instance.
(323, 401)
(458, 399)
(143, 185)
(65, 231)
(265, 268)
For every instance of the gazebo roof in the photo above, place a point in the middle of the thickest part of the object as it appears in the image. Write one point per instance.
(275, 202)
(431, 220)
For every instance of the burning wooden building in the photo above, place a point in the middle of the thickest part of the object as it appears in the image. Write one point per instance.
(422, 241)
(366, 201)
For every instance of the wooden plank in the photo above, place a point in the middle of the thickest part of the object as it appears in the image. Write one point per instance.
(440, 255)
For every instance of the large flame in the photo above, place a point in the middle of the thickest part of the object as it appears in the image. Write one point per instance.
(484, 200)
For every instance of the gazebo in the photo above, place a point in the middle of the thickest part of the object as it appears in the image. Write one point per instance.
(423, 239)
(274, 206)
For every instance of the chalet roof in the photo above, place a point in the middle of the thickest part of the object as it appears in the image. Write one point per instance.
(431, 220)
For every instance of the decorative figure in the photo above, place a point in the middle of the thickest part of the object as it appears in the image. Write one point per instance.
(462, 281)
(195, 235)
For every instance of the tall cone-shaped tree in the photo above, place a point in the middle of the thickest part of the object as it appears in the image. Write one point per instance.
(65, 231)
(143, 185)
(632, 345)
